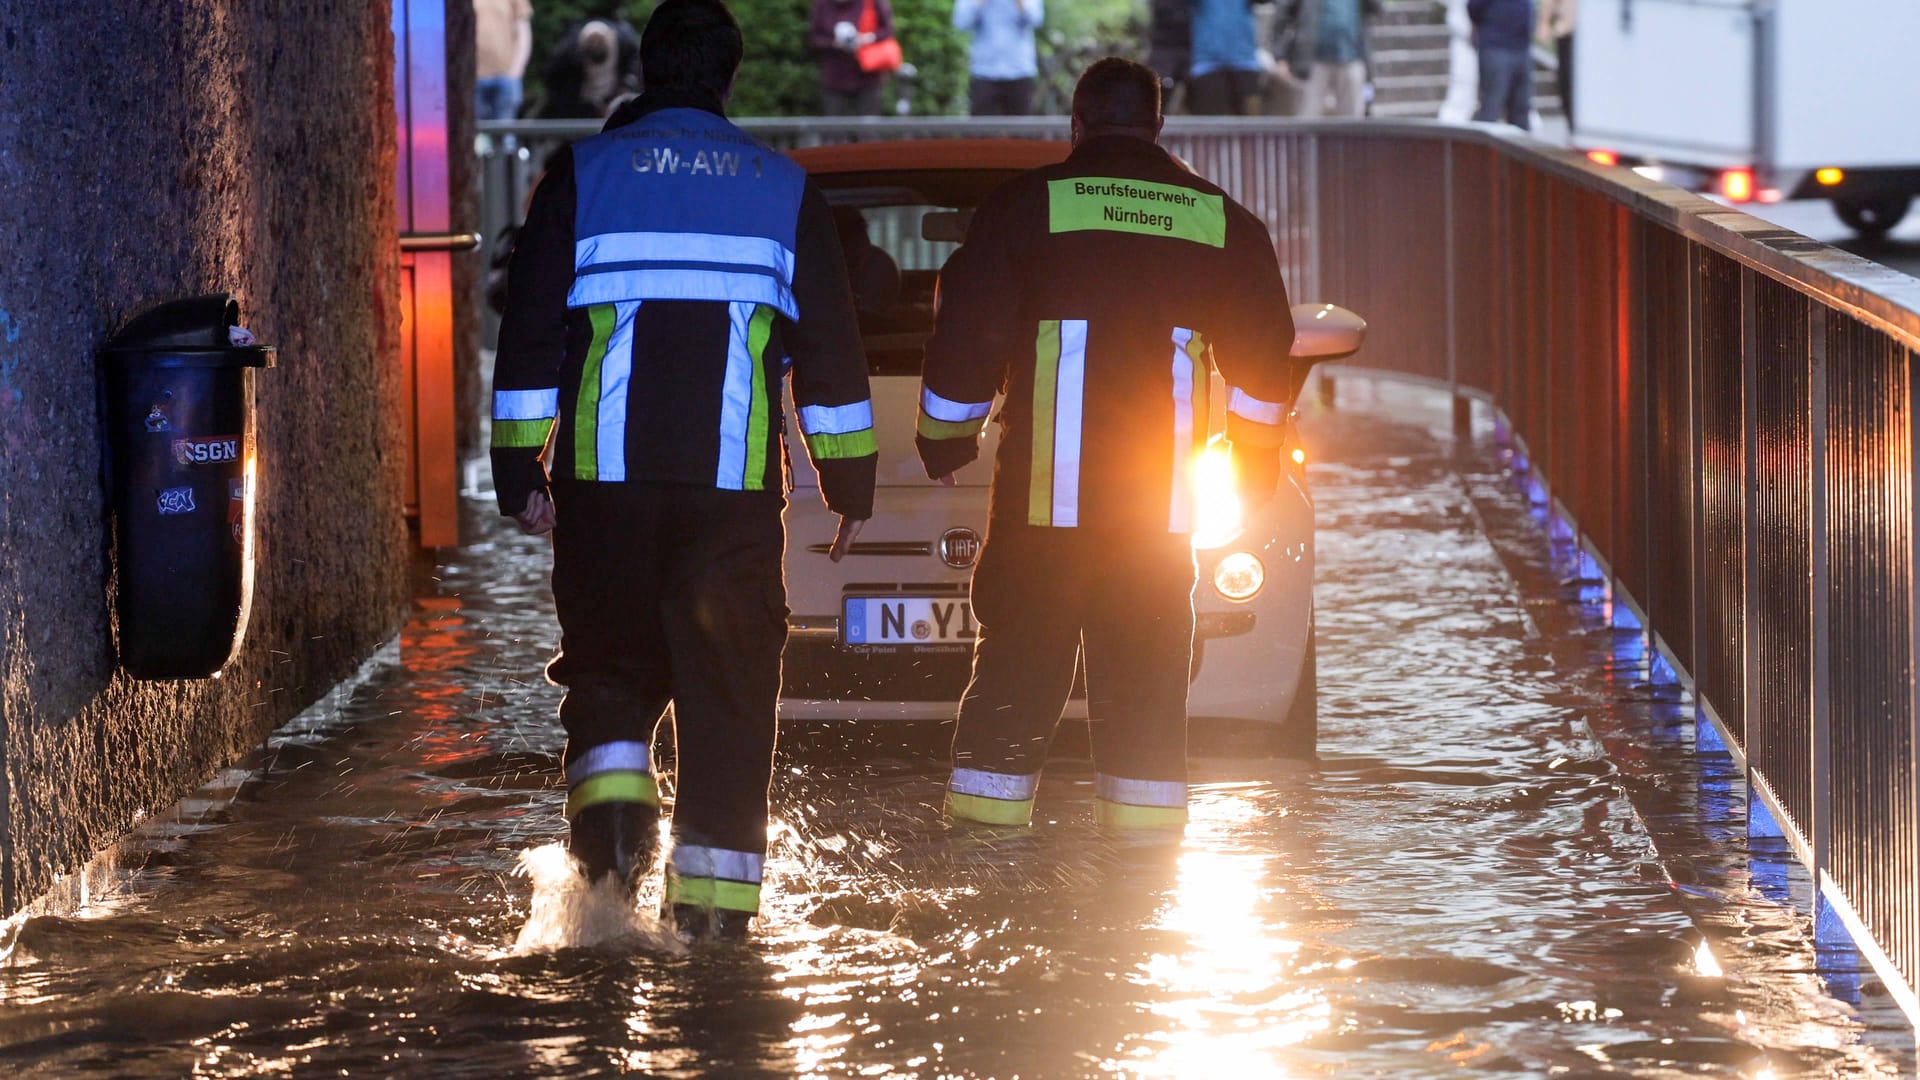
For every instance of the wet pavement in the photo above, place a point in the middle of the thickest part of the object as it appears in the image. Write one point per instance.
(1510, 860)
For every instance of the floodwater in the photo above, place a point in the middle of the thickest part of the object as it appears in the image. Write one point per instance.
(1511, 860)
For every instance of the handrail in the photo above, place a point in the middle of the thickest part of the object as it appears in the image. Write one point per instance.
(1869, 290)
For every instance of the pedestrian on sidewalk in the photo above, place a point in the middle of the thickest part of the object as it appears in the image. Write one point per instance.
(1333, 34)
(1463, 67)
(1002, 62)
(1558, 18)
(1502, 34)
(502, 40)
(1226, 72)
(1105, 377)
(670, 269)
(840, 31)
(1170, 47)
(593, 68)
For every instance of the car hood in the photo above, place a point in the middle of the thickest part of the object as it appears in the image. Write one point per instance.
(895, 411)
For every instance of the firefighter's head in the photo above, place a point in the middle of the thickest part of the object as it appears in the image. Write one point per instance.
(1117, 97)
(691, 45)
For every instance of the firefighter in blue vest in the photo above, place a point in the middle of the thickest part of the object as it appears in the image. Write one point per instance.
(1096, 298)
(671, 272)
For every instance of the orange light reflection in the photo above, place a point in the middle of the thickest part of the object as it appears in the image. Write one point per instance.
(1226, 998)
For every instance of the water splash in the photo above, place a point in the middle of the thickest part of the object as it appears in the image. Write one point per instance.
(568, 912)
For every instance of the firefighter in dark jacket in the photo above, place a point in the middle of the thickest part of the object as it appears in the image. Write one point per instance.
(670, 272)
(1097, 296)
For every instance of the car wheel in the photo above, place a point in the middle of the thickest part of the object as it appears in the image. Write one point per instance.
(1296, 735)
(1874, 215)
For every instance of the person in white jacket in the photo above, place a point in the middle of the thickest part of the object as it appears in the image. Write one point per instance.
(1463, 66)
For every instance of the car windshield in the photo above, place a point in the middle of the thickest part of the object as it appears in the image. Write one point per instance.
(896, 231)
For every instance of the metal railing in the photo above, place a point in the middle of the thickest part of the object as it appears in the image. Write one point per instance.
(1723, 410)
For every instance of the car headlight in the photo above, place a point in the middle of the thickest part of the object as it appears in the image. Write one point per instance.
(1217, 514)
(1239, 576)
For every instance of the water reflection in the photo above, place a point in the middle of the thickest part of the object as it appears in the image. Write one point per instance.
(1518, 857)
(1226, 991)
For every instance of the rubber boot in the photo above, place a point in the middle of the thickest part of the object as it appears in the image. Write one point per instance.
(615, 838)
(697, 923)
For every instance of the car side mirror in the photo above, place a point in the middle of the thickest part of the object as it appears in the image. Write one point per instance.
(1326, 332)
(1321, 332)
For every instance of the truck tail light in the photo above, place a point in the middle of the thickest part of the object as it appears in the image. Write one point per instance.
(1737, 185)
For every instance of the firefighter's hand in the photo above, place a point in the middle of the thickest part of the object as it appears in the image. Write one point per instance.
(537, 519)
(842, 540)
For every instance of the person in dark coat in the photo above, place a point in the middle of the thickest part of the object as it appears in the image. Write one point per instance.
(839, 28)
(1170, 44)
(593, 69)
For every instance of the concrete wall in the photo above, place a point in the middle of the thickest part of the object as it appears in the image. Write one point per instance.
(150, 151)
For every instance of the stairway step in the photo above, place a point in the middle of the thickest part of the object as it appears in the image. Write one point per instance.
(1400, 37)
(1411, 62)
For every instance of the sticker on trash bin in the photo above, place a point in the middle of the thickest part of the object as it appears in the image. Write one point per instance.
(177, 501)
(157, 420)
(237, 509)
(213, 451)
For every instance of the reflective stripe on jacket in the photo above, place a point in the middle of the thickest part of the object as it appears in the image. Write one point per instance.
(1098, 296)
(671, 271)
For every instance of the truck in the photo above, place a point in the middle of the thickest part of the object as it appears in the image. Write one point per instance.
(1757, 100)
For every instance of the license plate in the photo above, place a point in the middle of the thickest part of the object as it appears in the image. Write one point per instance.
(907, 620)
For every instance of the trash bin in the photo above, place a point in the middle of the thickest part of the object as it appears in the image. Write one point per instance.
(179, 410)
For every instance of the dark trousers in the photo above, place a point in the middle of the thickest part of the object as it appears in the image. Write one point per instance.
(1000, 97)
(1222, 92)
(862, 102)
(1506, 86)
(1563, 50)
(675, 595)
(1041, 596)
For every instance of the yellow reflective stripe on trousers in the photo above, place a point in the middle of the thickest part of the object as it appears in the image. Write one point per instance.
(586, 416)
(1128, 816)
(713, 892)
(989, 811)
(606, 787)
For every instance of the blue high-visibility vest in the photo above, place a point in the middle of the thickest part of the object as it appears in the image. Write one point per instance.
(682, 205)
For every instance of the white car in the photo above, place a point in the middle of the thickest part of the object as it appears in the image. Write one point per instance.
(887, 633)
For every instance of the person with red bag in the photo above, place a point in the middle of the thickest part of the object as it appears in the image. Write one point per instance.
(854, 42)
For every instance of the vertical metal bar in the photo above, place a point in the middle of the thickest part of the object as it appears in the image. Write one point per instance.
(1820, 828)
(1625, 550)
(1751, 598)
(1462, 408)
(1906, 953)
(1697, 540)
(1446, 169)
(1313, 213)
